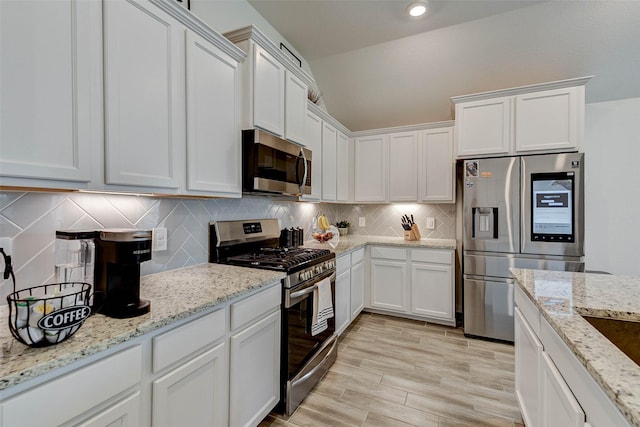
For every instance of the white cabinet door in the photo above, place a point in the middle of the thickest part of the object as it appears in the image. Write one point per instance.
(528, 349)
(194, 394)
(313, 141)
(550, 120)
(432, 292)
(295, 108)
(389, 285)
(559, 406)
(371, 169)
(254, 372)
(403, 167)
(268, 92)
(213, 133)
(70, 395)
(125, 413)
(329, 168)
(343, 301)
(144, 95)
(484, 127)
(51, 89)
(437, 166)
(357, 289)
(342, 165)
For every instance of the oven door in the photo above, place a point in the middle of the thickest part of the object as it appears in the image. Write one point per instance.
(300, 344)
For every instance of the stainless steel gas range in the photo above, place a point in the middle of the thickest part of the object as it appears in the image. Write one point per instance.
(308, 347)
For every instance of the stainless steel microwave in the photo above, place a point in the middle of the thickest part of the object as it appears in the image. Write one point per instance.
(272, 165)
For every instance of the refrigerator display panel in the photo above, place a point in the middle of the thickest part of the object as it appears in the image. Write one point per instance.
(552, 207)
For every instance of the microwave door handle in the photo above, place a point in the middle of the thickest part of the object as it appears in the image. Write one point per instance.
(304, 175)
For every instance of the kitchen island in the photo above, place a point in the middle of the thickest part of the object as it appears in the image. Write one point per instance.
(562, 299)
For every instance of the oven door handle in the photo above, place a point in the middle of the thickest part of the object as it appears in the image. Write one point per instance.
(310, 289)
(333, 342)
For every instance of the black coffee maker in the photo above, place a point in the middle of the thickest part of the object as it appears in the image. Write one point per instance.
(119, 253)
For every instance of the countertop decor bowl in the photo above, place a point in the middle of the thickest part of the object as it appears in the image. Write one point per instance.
(49, 314)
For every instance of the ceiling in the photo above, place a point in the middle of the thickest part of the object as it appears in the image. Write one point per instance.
(376, 67)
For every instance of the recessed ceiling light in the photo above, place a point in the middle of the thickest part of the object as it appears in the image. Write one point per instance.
(418, 8)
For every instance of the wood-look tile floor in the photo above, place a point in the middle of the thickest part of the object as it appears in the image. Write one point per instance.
(398, 372)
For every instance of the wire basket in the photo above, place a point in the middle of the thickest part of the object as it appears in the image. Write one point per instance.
(49, 314)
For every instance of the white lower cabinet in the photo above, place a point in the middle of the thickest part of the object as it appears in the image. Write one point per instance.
(528, 349)
(388, 285)
(194, 394)
(58, 401)
(349, 295)
(124, 413)
(417, 282)
(357, 282)
(552, 387)
(558, 406)
(343, 293)
(214, 369)
(254, 372)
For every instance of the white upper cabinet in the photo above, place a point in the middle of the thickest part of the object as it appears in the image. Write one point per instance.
(214, 151)
(268, 92)
(295, 108)
(403, 167)
(343, 161)
(550, 120)
(484, 127)
(51, 91)
(437, 166)
(144, 96)
(540, 118)
(313, 141)
(371, 168)
(275, 89)
(329, 153)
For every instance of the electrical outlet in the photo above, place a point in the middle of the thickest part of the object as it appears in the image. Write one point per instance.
(5, 244)
(362, 221)
(431, 223)
(159, 239)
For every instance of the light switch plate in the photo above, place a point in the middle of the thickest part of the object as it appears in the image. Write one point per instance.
(431, 223)
(362, 221)
(159, 239)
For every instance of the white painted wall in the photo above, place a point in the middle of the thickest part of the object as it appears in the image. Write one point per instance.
(612, 186)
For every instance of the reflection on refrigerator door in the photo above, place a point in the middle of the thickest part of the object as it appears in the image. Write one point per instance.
(488, 309)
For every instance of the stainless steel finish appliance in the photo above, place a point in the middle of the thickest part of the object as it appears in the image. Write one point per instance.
(271, 165)
(523, 212)
(305, 357)
(119, 253)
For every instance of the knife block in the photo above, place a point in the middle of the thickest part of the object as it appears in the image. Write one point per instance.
(413, 234)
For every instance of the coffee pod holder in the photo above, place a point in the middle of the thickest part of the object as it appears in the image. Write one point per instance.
(413, 233)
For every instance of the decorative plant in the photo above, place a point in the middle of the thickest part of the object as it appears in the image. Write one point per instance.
(313, 95)
(343, 224)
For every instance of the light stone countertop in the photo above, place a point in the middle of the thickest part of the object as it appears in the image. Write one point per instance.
(351, 243)
(562, 298)
(174, 295)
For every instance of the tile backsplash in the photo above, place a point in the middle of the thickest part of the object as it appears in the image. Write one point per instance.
(28, 222)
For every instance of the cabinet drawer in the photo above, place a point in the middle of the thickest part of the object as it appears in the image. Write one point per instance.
(343, 263)
(255, 307)
(172, 346)
(528, 309)
(432, 255)
(61, 399)
(357, 256)
(388, 253)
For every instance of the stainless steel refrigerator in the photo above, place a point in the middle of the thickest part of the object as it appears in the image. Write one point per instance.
(523, 212)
